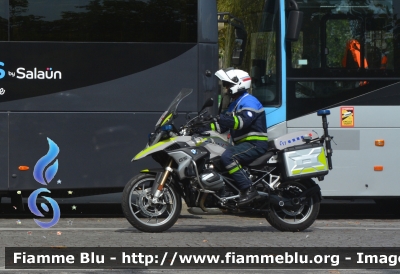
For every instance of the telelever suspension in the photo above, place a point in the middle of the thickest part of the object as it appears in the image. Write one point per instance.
(326, 136)
(161, 184)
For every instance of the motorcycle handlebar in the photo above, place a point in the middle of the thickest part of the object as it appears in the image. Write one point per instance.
(199, 118)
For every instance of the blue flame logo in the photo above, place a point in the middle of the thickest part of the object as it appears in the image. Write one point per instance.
(40, 166)
(44, 176)
(32, 206)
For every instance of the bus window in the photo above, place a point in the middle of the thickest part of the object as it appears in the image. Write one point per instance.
(379, 43)
(326, 89)
(346, 49)
(339, 37)
(263, 68)
(327, 28)
(94, 76)
(298, 60)
(3, 20)
(102, 21)
(378, 46)
(261, 21)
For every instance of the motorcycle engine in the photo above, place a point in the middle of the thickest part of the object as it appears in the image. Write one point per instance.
(211, 180)
(211, 201)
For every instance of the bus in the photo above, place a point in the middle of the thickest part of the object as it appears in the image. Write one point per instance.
(346, 58)
(82, 83)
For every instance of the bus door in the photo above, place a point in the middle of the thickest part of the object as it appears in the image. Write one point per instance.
(276, 26)
(264, 22)
(264, 66)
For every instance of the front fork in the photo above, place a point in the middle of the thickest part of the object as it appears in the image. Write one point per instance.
(158, 185)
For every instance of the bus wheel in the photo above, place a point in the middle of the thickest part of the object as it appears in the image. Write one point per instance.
(296, 218)
(144, 215)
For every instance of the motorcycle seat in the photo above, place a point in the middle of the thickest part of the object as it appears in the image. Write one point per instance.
(261, 160)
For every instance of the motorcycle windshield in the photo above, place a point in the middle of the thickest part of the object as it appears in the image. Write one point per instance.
(169, 114)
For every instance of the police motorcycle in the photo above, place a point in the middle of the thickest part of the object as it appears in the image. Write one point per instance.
(191, 169)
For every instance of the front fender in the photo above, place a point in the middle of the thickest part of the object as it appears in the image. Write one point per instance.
(152, 170)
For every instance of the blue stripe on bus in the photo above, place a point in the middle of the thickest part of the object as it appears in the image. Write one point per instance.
(275, 115)
(281, 115)
(278, 115)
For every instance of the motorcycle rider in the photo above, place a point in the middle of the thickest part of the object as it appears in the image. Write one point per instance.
(246, 120)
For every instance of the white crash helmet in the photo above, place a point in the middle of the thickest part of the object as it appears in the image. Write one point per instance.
(238, 80)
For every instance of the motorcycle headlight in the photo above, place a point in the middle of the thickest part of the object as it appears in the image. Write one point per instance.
(154, 138)
(166, 128)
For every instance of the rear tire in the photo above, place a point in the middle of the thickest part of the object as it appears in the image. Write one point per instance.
(298, 218)
(139, 210)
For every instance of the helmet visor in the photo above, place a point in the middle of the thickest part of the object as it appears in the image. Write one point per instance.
(227, 84)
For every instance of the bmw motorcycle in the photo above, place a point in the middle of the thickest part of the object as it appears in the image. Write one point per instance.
(191, 170)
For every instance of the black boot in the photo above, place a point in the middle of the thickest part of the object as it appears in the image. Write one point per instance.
(247, 195)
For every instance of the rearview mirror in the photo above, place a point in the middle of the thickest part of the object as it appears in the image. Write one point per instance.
(208, 103)
(294, 23)
(240, 35)
(239, 46)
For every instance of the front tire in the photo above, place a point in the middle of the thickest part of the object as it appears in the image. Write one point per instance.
(297, 218)
(142, 213)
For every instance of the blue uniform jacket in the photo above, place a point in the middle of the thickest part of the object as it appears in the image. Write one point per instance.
(246, 121)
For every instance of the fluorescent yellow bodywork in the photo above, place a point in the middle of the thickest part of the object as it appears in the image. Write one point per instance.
(322, 167)
(148, 149)
(166, 119)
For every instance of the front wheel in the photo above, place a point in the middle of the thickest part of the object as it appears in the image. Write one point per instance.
(299, 217)
(139, 210)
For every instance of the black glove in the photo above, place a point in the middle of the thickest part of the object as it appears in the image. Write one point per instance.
(211, 119)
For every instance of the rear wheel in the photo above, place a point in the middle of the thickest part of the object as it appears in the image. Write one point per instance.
(145, 215)
(295, 218)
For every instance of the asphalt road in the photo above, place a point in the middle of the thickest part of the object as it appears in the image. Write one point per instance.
(353, 228)
(330, 209)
